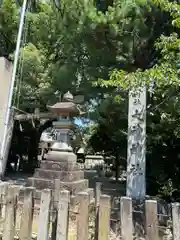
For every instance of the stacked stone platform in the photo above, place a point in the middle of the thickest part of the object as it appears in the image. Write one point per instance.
(66, 172)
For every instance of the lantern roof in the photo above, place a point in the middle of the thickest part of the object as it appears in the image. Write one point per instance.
(67, 105)
(81, 151)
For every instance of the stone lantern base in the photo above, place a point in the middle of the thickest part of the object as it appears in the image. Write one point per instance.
(59, 165)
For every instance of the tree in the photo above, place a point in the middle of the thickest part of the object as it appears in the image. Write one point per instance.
(8, 27)
(71, 48)
(162, 81)
(125, 42)
(109, 135)
(25, 143)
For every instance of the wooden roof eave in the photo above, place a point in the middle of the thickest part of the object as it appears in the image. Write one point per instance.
(45, 115)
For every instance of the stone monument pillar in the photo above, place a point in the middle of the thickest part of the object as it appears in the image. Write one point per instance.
(136, 162)
(60, 162)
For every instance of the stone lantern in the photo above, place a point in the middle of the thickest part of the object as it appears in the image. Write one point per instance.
(64, 112)
(60, 162)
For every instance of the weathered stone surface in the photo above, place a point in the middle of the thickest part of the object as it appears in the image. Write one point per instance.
(59, 165)
(62, 175)
(76, 186)
(59, 156)
(73, 187)
(40, 183)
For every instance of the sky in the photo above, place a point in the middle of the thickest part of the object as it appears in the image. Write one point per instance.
(79, 122)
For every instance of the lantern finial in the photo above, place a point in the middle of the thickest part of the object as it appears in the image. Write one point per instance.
(68, 97)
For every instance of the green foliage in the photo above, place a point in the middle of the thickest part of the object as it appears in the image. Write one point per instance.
(109, 135)
(101, 51)
(163, 105)
(164, 72)
(75, 42)
(8, 26)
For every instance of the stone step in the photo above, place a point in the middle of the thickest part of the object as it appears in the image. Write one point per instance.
(75, 198)
(59, 165)
(65, 176)
(73, 187)
(40, 183)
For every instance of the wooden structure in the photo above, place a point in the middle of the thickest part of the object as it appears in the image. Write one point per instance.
(28, 116)
(53, 216)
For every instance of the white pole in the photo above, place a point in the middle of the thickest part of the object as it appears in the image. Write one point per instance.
(13, 78)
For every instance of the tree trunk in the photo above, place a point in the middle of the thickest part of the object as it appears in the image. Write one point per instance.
(117, 167)
(34, 143)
